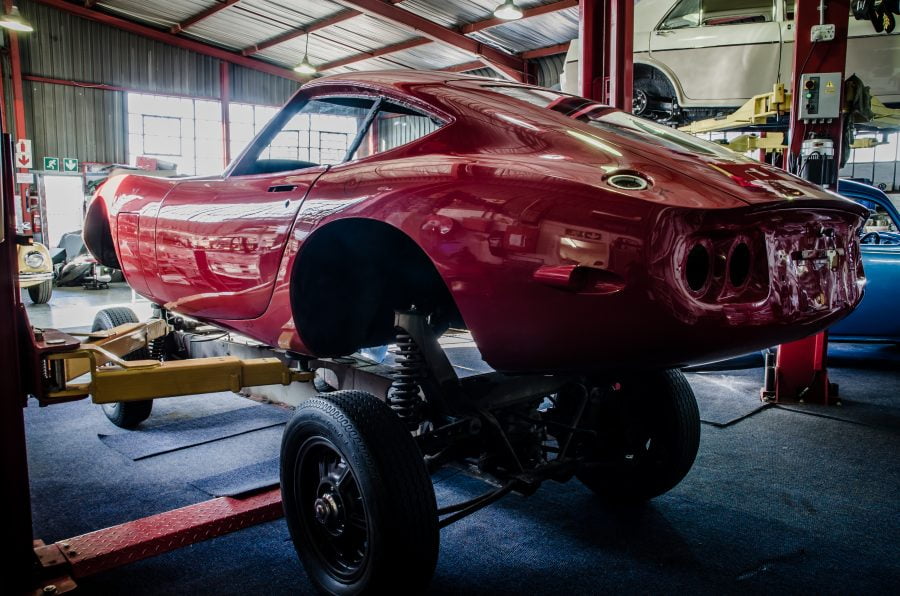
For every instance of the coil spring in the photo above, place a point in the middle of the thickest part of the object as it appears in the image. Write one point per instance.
(403, 396)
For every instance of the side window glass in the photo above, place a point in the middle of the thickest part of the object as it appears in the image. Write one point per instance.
(880, 221)
(736, 12)
(685, 14)
(312, 133)
(393, 126)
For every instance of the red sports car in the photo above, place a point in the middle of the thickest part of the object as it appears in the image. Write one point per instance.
(564, 234)
(569, 237)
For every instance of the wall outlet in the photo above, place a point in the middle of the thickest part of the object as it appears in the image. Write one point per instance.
(821, 33)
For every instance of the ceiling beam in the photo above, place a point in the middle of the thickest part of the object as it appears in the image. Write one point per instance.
(472, 27)
(173, 40)
(397, 47)
(295, 33)
(301, 31)
(560, 48)
(508, 65)
(473, 65)
(528, 12)
(203, 14)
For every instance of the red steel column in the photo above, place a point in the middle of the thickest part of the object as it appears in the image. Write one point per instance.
(621, 48)
(606, 29)
(225, 100)
(15, 498)
(801, 373)
(591, 64)
(823, 56)
(18, 101)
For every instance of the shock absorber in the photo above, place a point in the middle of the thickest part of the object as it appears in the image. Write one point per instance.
(403, 396)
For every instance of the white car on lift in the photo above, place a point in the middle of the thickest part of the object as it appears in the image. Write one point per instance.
(706, 57)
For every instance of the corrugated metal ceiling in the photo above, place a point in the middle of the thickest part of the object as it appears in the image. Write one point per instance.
(251, 22)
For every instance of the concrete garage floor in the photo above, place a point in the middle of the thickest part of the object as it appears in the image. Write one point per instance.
(796, 500)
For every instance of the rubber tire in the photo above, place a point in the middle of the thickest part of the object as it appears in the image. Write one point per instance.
(41, 293)
(395, 485)
(127, 415)
(667, 401)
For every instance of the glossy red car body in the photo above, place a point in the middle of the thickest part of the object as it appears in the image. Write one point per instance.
(551, 267)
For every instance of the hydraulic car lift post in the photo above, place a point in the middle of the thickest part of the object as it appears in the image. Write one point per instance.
(800, 372)
(606, 28)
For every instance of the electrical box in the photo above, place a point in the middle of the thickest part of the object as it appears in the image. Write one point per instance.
(820, 96)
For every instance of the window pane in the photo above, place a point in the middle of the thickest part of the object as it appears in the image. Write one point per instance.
(319, 132)
(736, 12)
(181, 130)
(686, 14)
(394, 126)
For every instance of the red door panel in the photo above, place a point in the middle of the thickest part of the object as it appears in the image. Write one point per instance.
(219, 243)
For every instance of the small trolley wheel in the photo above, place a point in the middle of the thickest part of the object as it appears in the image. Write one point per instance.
(132, 413)
(357, 497)
(647, 436)
(41, 293)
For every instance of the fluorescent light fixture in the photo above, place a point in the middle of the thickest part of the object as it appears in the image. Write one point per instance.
(14, 21)
(508, 11)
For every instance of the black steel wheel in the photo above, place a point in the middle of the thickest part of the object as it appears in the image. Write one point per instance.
(647, 436)
(357, 497)
(129, 414)
(638, 101)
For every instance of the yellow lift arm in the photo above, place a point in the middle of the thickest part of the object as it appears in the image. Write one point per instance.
(112, 379)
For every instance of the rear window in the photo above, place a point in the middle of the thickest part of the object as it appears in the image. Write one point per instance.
(614, 121)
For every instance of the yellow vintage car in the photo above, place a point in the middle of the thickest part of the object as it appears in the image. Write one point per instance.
(35, 270)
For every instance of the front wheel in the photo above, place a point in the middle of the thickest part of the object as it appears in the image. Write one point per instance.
(647, 436)
(126, 414)
(41, 293)
(357, 497)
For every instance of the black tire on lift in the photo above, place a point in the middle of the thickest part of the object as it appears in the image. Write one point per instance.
(126, 415)
(357, 497)
(41, 293)
(648, 434)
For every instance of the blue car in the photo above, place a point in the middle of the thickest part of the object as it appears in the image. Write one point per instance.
(877, 318)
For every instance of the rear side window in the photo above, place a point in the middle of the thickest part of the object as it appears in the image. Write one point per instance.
(736, 12)
(395, 125)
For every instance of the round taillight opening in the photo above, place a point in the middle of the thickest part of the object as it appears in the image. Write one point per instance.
(696, 269)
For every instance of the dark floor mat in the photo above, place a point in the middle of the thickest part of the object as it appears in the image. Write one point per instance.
(194, 431)
(725, 398)
(242, 480)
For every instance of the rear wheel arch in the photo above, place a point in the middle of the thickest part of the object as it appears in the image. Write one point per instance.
(97, 234)
(351, 275)
(651, 72)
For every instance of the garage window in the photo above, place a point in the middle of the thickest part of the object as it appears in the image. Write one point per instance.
(247, 121)
(184, 131)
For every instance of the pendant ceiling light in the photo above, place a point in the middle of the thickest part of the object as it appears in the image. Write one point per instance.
(305, 66)
(508, 11)
(14, 21)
